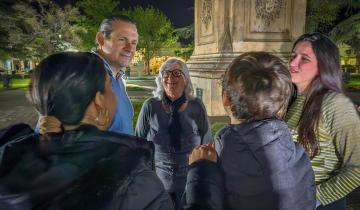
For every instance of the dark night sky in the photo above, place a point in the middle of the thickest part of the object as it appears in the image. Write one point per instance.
(180, 12)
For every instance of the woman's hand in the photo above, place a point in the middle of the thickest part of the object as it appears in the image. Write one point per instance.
(49, 124)
(205, 151)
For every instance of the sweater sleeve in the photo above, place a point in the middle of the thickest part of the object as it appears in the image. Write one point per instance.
(143, 121)
(343, 124)
(204, 125)
(204, 186)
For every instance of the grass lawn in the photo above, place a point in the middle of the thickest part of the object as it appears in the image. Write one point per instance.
(216, 126)
(353, 85)
(17, 84)
(133, 87)
(137, 104)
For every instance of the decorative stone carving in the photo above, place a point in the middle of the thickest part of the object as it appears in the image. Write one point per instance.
(206, 12)
(268, 10)
(225, 29)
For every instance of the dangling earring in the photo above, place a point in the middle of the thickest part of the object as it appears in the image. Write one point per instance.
(103, 117)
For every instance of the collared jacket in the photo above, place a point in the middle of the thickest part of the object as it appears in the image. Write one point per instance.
(86, 169)
(264, 169)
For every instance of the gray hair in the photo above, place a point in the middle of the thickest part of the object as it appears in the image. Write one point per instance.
(106, 25)
(159, 92)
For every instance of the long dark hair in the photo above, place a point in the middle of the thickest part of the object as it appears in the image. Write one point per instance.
(64, 84)
(328, 79)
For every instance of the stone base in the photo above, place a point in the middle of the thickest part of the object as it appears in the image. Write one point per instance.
(206, 73)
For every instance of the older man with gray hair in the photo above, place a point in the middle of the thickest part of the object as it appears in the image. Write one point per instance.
(117, 39)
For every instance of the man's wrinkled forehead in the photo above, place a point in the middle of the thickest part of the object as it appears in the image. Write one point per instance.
(120, 26)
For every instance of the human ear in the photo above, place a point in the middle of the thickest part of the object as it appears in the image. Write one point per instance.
(100, 38)
(99, 100)
(102, 113)
(225, 100)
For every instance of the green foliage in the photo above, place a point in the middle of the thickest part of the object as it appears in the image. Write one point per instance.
(184, 52)
(37, 28)
(17, 84)
(155, 31)
(186, 39)
(354, 83)
(5, 11)
(185, 34)
(338, 19)
(94, 12)
(348, 32)
(216, 126)
(137, 104)
(320, 15)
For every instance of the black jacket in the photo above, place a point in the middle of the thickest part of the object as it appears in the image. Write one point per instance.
(84, 169)
(264, 169)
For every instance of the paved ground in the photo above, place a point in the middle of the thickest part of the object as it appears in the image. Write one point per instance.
(15, 108)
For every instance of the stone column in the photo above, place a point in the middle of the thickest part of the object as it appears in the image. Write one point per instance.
(225, 29)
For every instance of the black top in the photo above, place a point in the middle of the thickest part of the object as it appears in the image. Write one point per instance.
(92, 169)
(82, 169)
(264, 168)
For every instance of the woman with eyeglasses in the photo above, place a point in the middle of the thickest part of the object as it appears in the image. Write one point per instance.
(176, 122)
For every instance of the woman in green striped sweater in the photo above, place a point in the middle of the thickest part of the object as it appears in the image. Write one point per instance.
(324, 120)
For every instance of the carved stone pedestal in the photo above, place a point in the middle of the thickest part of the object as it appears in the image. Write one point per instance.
(225, 29)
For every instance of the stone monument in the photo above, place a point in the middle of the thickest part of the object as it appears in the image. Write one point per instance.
(225, 29)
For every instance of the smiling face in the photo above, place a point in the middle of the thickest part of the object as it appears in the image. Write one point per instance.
(120, 47)
(173, 81)
(303, 65)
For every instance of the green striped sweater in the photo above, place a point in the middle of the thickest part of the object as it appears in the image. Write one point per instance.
(337, 165)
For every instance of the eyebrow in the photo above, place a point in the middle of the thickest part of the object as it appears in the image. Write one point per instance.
(120, 35)
(172, 70)
(302, 54)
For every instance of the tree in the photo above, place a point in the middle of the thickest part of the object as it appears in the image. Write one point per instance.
(38, 28)
(338, 19)
(348, 32)
(186, 39)
(186, 34)
(5, 11)
(155, 31)
(320, 15)
(94, 12)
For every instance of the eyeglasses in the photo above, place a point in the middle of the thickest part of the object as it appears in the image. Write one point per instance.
(174, 73)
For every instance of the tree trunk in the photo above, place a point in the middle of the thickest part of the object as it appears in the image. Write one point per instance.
(147, 66)
(357, 52)
(147, 61)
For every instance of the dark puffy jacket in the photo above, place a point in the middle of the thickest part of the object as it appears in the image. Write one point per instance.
(264, 169)
(82, 169)
(87, 169)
